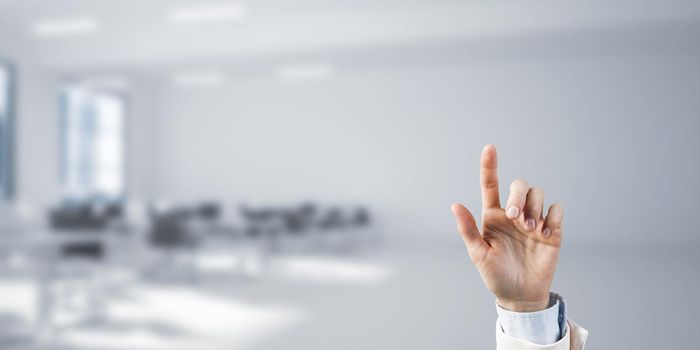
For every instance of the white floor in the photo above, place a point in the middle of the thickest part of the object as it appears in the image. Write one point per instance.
(426, 297)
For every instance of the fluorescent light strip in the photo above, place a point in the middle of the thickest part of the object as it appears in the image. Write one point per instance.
(305, 72)
(65, 27)
(198, 79)
(206, 13)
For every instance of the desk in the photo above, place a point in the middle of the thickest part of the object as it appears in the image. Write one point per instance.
(47, 265)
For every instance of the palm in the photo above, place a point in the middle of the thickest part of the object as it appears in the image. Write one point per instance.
(517, 265)
(515, 254)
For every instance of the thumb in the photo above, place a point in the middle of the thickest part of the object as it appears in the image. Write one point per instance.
(467, 228)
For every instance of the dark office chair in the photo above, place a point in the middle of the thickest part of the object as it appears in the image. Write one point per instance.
(79, 218)
(175, 244)
(333, 219)
(294, 222)
(210, 211)
(261, 222)
(170, 230)
(78, 261)
(114, 211)
(361, 217)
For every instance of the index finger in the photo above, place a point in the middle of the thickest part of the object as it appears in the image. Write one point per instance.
(489, 178)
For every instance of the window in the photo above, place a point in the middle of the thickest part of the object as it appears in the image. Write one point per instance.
(93, 144)
(6, 129)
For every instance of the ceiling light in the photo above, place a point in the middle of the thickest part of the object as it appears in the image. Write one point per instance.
(305, 72)
(63, 27)
(198, 79)
(206, 13)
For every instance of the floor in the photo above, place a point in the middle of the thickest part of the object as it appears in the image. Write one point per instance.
(398, 297)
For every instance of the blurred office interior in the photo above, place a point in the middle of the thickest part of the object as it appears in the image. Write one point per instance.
(270, 174)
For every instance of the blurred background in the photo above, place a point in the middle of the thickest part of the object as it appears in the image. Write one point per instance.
(277, 174)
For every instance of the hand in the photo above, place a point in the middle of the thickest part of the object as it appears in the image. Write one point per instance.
(517, 250)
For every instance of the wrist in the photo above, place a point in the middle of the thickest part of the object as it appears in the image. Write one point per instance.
(524, 305)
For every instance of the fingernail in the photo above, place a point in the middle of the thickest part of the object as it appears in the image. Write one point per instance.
(546, 233)
(531, 224)
(513, 212)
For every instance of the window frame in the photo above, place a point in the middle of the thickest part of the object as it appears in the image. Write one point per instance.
(7, 148)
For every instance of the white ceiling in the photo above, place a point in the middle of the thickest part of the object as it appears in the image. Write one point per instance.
(138, 32)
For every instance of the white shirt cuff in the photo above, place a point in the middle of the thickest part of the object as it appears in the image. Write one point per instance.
(541, 327)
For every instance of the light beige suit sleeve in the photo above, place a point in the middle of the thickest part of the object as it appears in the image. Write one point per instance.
(574, 339)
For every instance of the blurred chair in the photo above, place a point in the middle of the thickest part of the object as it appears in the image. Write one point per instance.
(207, 219)
(169, 230)
(77, 217)
(172, 235)
(361, 217)
(209, 211)
(332, 220)
(263, 222)
(74, 275)
(82, 218)
(346, 228)
(362, 223)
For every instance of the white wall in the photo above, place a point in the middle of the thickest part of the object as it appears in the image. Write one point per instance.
(36, 158)
(611, 135)
(37, 140)
(141, 139)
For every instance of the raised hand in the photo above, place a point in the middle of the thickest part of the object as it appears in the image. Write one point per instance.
(517, 250)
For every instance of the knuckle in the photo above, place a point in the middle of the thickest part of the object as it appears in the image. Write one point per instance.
(553, 225)
(534, 207)
(489, 183)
